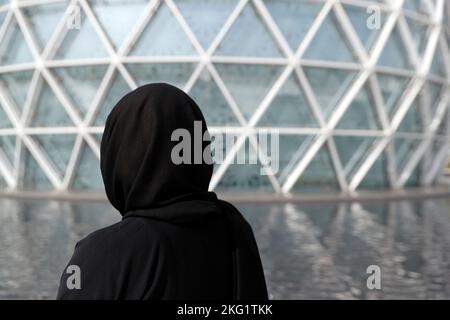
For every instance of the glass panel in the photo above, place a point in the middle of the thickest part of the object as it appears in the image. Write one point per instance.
(88, 175)
(394, 54)
(58, 147)
(438, 66)
(361, 114)
(289, 108)
(13, 48)
(97, 137)
(43, 20)
(17, 83)
(48, 111)
(207, 22)
(34, 178)
(443, 127)
(436, 148)
(319, 176)
(81, 43)
(392, 88)
(8, 146)
(246, 176)
(176, 74)
(3, 184)
(293, 17)
(403, 150)
(291, 150)
(329, 85)
(414, 180)
(353, 151)
(419, 32)
(446, 17)
(116, 91)
(376, 177)
(359, 18)
(412, 122)
(163, 36)
(4, 120)
(416, 5)
(237, 41)
(330, 43)
(208, 96)
(2, 19)
(434, 90)
(248, 84)
(81, 84)
(117, 17)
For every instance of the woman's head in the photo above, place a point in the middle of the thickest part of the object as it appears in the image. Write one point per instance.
(137, 148)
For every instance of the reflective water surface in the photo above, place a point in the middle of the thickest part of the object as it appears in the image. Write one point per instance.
(309, 251)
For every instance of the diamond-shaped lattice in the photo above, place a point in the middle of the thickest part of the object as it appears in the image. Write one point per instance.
(296, 66)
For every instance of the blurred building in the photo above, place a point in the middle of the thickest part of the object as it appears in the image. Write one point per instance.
(359, 90)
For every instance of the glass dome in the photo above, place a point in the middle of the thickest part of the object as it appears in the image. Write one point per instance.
(358, 90)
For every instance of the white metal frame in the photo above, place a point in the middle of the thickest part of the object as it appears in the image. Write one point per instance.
(292, 62)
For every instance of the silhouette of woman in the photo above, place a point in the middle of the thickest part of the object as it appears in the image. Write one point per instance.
(176, 239)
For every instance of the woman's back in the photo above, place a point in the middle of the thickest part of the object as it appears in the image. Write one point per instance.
(142, 258)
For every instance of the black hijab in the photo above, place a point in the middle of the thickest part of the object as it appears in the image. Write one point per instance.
(142, 181)
(136, 149)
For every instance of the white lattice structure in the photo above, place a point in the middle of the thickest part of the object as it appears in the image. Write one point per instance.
(357, 106)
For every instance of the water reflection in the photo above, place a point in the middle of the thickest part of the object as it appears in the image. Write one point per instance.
(309, 251)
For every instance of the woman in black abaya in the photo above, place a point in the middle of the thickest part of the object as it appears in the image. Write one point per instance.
(176, 240)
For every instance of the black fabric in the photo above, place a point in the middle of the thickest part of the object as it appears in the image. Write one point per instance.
(176, 239)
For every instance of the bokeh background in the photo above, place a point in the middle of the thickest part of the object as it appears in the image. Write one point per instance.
(358, 90)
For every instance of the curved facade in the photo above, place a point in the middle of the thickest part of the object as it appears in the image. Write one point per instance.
(357, 90)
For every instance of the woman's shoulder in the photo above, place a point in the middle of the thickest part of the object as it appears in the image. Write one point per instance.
(131, 231)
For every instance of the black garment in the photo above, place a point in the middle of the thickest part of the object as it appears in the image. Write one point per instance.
(176, 240)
